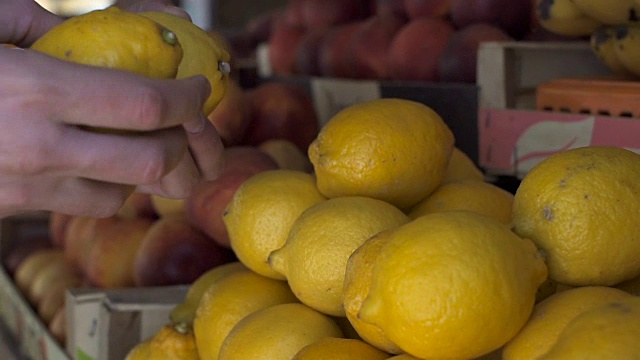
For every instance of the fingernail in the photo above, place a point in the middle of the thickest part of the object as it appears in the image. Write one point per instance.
(195, 126)
(175, 10)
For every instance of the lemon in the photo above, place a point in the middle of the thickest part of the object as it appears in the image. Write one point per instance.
(228, 300)
(165, 206)
(473, 195)
(204, 54)
(277, 332)
(262, 211)
(357, 282)
(286, 154)
(390, 149)
(340, 349)
(454, 285)
(115, 38)
(461, 167)
(607, 332)
(185, 312)
(551, 316)
(169, 343)
(581, 207)
(314, 257)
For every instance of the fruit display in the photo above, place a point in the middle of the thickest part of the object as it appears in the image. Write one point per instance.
(378, 261)
(155, 241)
(611, 27)
(370, 236)
(402, 40)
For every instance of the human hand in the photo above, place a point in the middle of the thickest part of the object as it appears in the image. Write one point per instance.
(49, 161)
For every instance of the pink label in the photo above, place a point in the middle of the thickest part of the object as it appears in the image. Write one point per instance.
(513, 141)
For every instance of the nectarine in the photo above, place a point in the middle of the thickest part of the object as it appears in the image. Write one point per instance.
(283, 43)
(512, 16)
(416, 48)
(114, 250)
(427, 8)
(370, 45)
(390, 7)
(335, 51)
(281, 110)
(174, 252)
(326, 13)
(458, 61)
(207, 203)
(231, 117)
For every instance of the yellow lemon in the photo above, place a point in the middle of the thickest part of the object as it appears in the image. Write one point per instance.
(165, 206)
(169, 343)
(228, 300)
(262, 211)
(453, 285)
(204, 54)
(610, 331)
(314, 256)
(115, 38)
(551, 316)
(340, 349)
(185, 312)
(390, 149)
(581, 208)
(461, 167)
(473, 195)
(277, 332)
(286, 154)
(357, 282)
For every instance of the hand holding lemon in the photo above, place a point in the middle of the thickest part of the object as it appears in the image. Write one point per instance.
(52, 163)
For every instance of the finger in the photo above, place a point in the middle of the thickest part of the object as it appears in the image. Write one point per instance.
(206, 148)
(92, 96)
(177, 184)
(22, 22)
(164, 6)
(75, 196)
(125, 159)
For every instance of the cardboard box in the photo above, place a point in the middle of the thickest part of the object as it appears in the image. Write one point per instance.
(101, 324)
(32, 337)
(513, 135)
(106, 324)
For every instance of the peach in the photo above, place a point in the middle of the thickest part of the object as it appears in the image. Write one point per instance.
(22, 249)
(231, 117)
(512, 16)
(114, 250)
(137, 205)
(283, 44)
(391, 7)
(413, 55)
(458, 61)
(335, 51)
(79, 239)
(206, 205)
(370, 45)
(281, 110)
(174, 252)
(308, 52)
(427, 8)
(57, 227)
(326, 13)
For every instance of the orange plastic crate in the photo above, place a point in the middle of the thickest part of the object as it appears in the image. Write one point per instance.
(604, 97)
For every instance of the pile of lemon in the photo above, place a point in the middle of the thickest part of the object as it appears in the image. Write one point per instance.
(396, 247)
